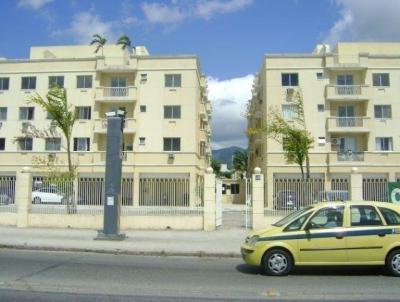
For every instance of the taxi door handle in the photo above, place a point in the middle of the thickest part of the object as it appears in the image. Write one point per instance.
(381, 234)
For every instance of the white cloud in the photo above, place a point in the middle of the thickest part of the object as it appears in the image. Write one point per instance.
(33, 4)
(85, 24)
(178, 11)
(366, 20)
(229, 99)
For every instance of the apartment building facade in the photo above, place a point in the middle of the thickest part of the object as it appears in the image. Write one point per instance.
(167, 122)
(351, 109)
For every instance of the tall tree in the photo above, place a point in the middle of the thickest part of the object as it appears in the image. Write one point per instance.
(125, 42)
(99, 42)
(240, 161)
(293, 135)
(216, 165)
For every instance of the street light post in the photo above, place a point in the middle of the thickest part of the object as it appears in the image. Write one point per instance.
(112, 200)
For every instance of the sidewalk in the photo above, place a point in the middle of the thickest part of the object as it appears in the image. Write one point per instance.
(220, 243)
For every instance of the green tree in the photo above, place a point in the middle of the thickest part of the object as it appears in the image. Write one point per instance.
(240, 161)
(99, 42)
(293, 135)
(216, 165)
(125, 42)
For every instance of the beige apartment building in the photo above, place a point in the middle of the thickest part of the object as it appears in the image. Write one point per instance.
(352, 109)
(167, 126)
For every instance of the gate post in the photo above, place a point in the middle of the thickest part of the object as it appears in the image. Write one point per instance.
(356, 185)
(258, 199)
(209, 214)
(23, 197)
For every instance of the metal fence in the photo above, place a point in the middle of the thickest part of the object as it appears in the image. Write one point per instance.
(375, 188)
(340, 184)
(7, 194)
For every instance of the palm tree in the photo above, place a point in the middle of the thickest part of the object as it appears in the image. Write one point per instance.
(240, 161)
(99, 41)
(125, 42)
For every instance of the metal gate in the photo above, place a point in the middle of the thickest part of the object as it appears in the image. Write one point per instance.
(218, 202)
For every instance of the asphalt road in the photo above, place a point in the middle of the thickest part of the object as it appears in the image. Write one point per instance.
(57, 276)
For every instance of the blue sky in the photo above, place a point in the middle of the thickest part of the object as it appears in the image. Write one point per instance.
(229, 36)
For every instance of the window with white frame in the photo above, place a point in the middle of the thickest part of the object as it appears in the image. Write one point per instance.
(380, 79)
(143, 78)
(384, 144)
(290, 79)
(53, 144)
(3, 113)
(28, 83)
(84, 81)
(81, 144)
(142, 141)
(25, 143)
(57, 81)
(383, 111)
(26, 113)
(83, 112)
(143, 108)
(290, 111)
(2, 143)
(172, 144)
(202, 148)
(4, 83)
(172, 112)
(173, 80)
(320, 75)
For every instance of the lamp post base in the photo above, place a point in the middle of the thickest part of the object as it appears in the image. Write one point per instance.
(110, 237)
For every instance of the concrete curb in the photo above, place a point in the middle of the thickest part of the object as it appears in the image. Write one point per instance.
(161, 253)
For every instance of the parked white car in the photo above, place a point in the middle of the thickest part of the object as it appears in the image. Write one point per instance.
(48, 194)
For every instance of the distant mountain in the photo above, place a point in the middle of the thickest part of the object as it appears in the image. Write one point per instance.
(224, 155)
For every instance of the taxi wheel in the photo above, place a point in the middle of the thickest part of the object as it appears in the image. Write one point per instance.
(393, 263)
(277, 262)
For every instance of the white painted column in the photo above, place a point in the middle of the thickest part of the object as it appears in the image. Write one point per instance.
(23, 197)
(136, 189)
(259, 220)
(209, 201)
(356, 185)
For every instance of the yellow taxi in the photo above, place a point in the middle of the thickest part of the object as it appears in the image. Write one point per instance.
(329, 233)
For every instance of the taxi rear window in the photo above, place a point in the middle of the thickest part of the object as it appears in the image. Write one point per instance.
(391, 216)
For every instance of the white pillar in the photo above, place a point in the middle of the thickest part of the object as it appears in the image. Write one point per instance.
(23, 197)
(209, 200)
(356, 185)
(259, 220)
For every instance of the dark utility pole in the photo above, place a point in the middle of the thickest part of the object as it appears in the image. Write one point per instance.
(112, 200)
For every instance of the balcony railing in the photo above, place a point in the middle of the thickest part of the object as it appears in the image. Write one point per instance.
(350, 156)
(349, 122)
(348, 89)
(352, 124)
(348, 92)
(116, 93)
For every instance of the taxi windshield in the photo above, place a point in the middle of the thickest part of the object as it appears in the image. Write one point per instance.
(291, 217)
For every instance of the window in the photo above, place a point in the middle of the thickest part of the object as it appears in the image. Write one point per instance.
(56, 81)
(327, 218)
(142, 141)
(53, 144)
(4, 83)
(143, 78)
(84, 81)
(290, 79)
(391, 216)
(321, 107)
(344, 79)
(143, 108)
(298, 223)
(173, 80)
(28, 83)
(384, 144)
(83, 112)
(25, 143)
(380, 79)
(81, 144)
(383, 111)
(3, 113)
(171, 112)
(202, 148)
(119, 82)
(235, 188)
(2, 143)
(364, 216)
(172, 144)
(223, 189)
(290, 111)
(26, 113)
(49, 116)
(320, 75)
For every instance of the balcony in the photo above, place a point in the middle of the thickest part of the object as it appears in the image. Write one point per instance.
(348, 92)
(346, 62)
(348, 124)
(100, 125)
(116, 94)
(350, 156)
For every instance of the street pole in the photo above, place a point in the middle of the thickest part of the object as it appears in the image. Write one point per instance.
(112, 200)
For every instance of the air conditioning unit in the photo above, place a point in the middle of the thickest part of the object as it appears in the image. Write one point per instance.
(290, 91)
(334, 141)
(171, 156)
(25, 125)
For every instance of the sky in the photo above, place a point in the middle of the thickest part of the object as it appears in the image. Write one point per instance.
(229, 36)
